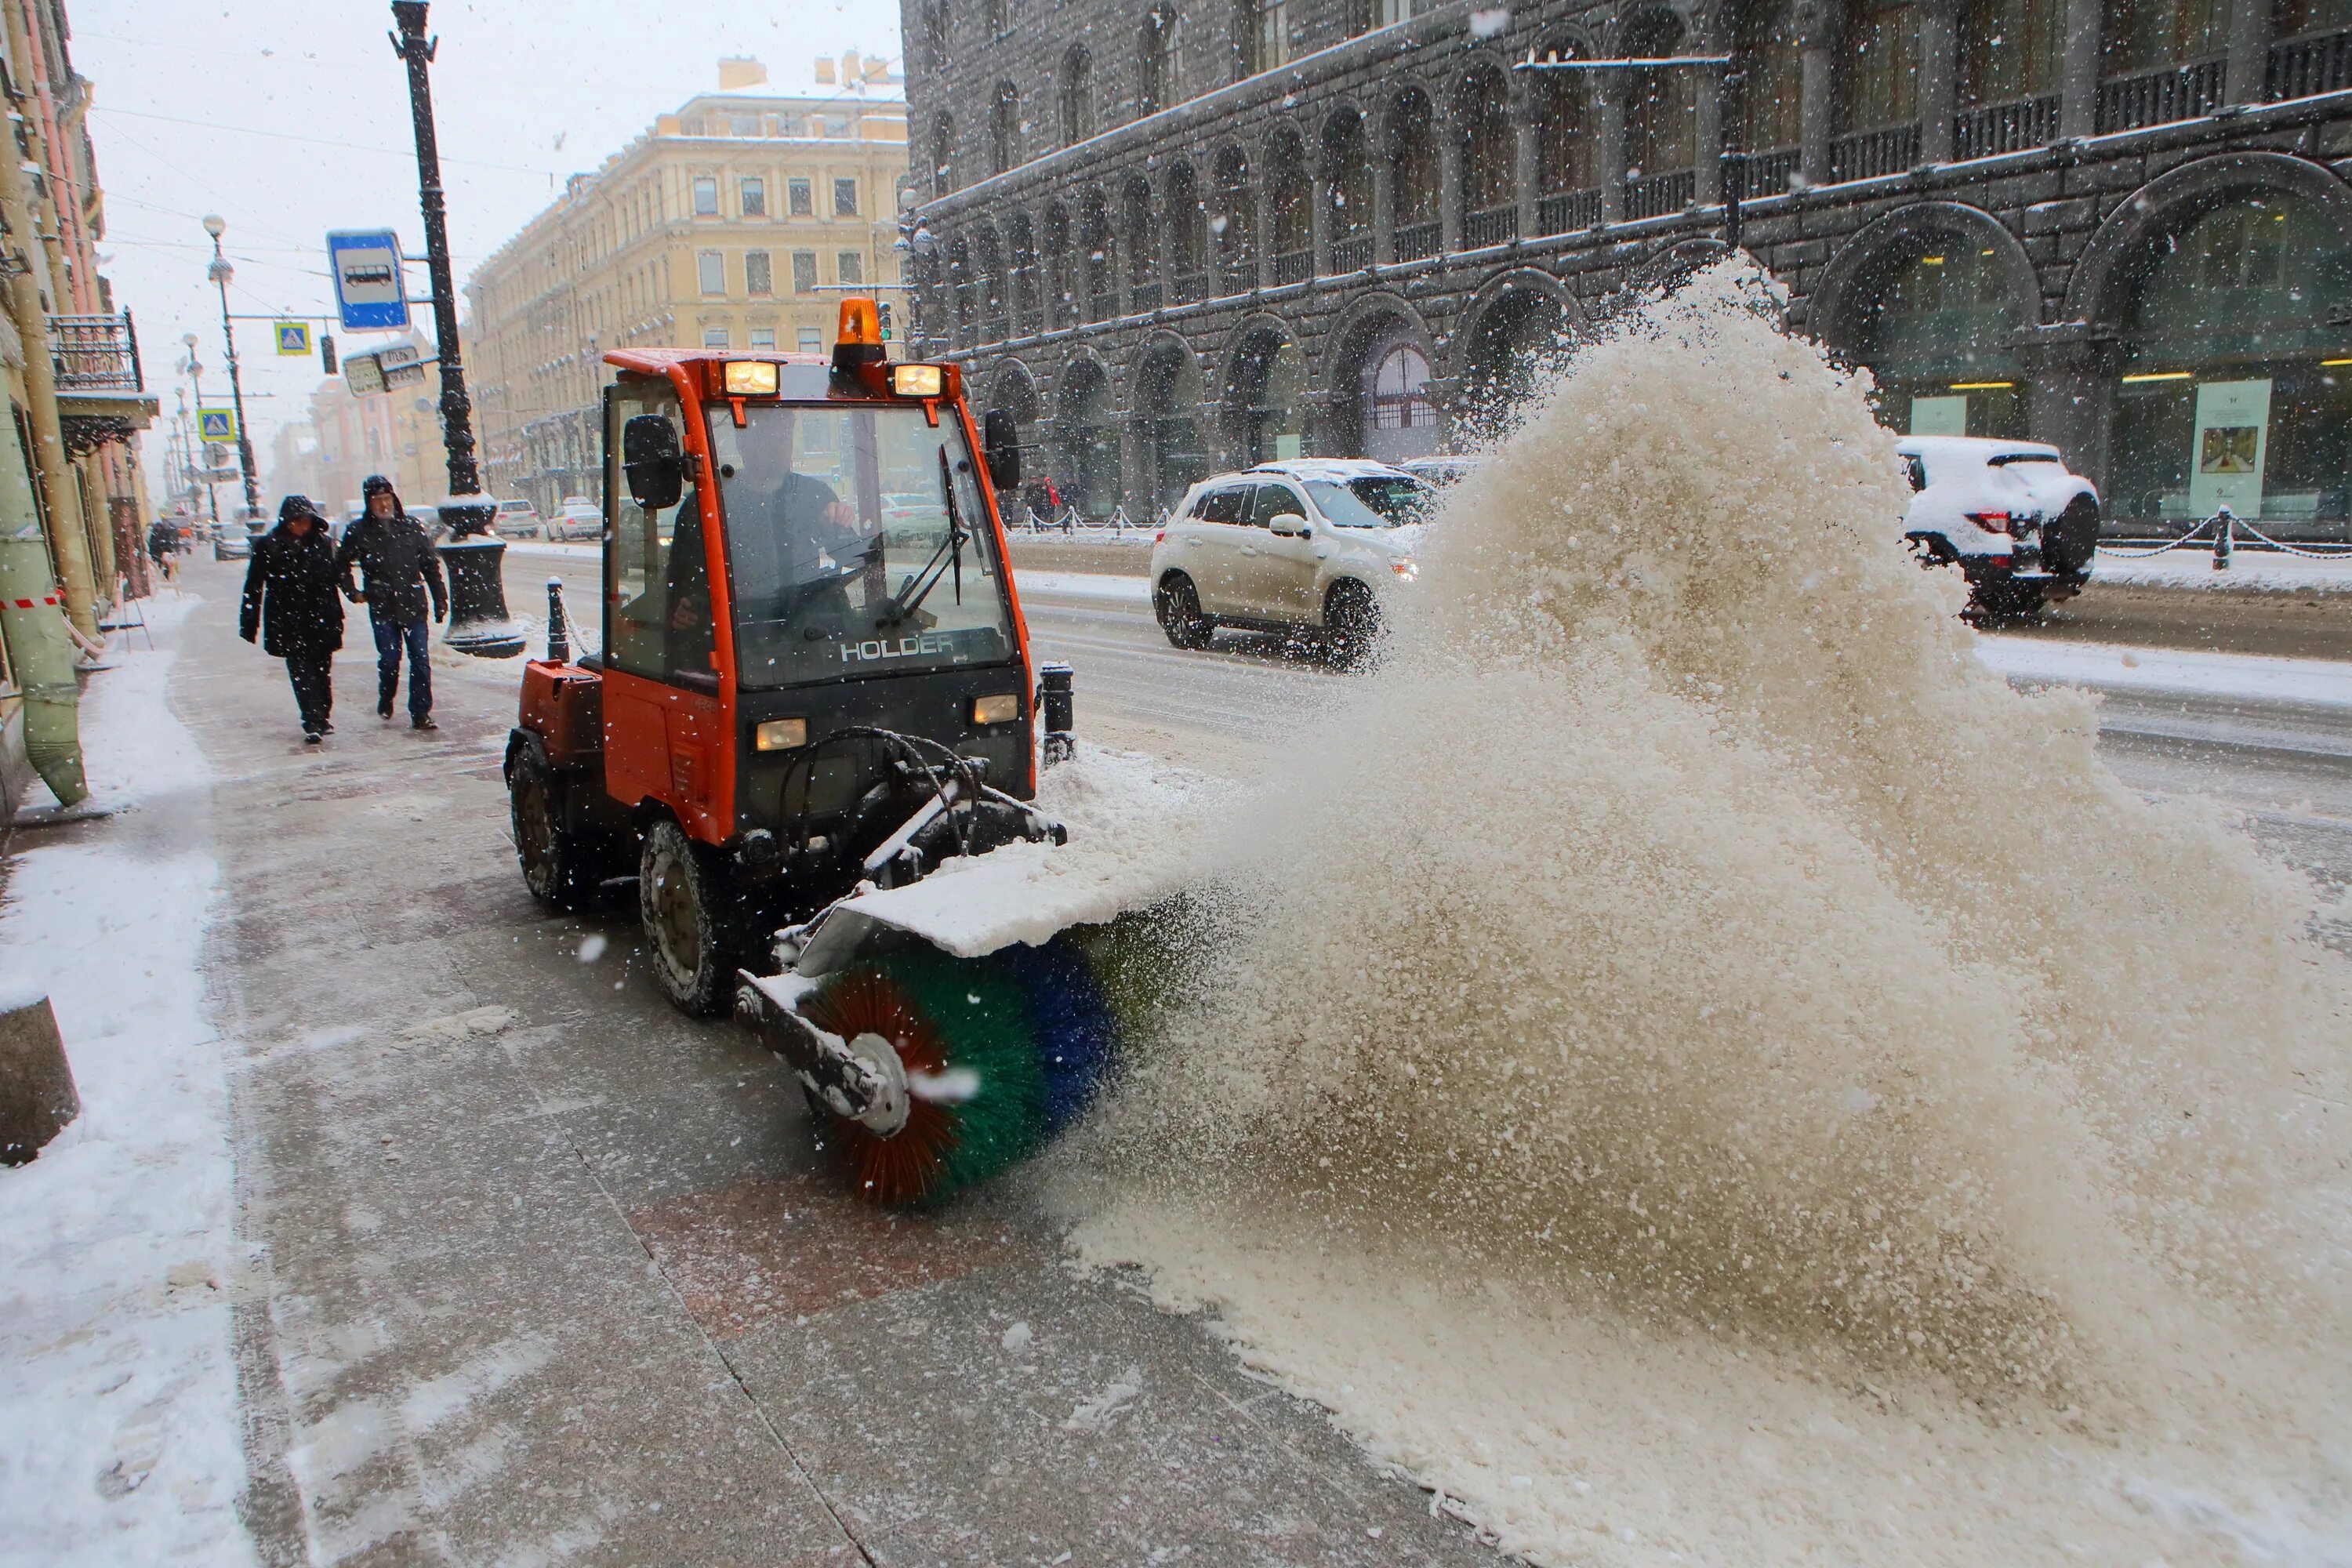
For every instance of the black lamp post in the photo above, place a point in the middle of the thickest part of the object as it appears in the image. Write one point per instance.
(220, 272)
(478, 622)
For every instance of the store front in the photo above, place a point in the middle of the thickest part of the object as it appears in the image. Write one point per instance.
(1934, 327)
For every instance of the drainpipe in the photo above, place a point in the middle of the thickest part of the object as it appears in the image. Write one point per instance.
(68, 540)
(40, 644)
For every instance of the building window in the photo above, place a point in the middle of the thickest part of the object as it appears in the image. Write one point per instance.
(1261, 36)
(845, 198)
(714, 337)
(705, 196)
(2142, 34)
(811, 341)
(1004, 128)
(1372, 14)
(1159, 45)
(758, 278)
(754, 193)
(803, 271)
(710, 272)
(849, 267)
(797, 199)
(1077, 95)
(998, 17)
(763, 337)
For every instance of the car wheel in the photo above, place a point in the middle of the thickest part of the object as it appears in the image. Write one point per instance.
(1178, 604)
(2070, 544)
(682, 902)
(1351, 624)
(555, 863)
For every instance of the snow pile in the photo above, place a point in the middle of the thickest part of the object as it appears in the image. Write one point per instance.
(118, 1433)
(1696, 1064)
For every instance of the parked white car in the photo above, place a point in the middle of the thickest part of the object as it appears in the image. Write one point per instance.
(2020, 526)
(518, 519)
(1311, 544)
(578, 518)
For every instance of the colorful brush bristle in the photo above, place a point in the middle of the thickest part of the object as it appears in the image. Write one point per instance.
(1001, 1053)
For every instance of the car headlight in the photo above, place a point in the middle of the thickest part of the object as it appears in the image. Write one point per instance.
(781, 735)
(1000, 710)
(1405, 567)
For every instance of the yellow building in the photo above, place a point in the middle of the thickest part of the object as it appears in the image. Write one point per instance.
(733, 223)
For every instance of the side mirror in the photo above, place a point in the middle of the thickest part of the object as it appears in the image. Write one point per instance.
(999, 440)
(1289, 523)
(652, 461)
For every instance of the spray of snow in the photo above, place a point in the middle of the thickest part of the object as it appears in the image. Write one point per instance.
(1690, 1038)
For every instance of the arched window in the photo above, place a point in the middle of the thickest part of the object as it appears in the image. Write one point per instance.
(2010, 49)
(1233, 227)
(1877, 91)
(1188, 227)
(1563, 148)
(1143, 244)
(1022, 253)
(1057, 270)
(1400, 421)
(1289, 208)
(1004, 128)
(2145, 34)
(1772, 96)
(1264, 411)
(962, 281)
(1160, 56)
(1094, 246)
(943, 179)
(998, 17)
(988, 265)
(1411, 151)
(1077, 95)
(935, 34)
(1348, 175)
(1482, 119)
(1088, 430)
(1934, 325)
(1660, 114)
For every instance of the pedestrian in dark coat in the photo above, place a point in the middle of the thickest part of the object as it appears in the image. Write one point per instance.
(290, 601)
(397, 556)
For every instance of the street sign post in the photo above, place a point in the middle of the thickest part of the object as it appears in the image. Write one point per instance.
(402, 365)
(363, 374)
(216, 424)
(293, 337)
(371, 294)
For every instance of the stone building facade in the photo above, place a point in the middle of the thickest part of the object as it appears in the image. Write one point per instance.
(1174, 238)
(732, 223)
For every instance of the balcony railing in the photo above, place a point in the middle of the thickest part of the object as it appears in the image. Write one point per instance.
(2162, 96)
(1867, 154)
(1654, 196)
(95, 354)
(1489, 226)
(1999, 128)
(1293, 267)
(1238, 277)
(1188, 287)
(1142, 297)
(1767, 173)
(1102, 307)
(1351, 255)
(1568, 211)
(1415, 240)
(2300, 68)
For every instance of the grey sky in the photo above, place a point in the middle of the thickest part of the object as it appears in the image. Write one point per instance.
(322, 81)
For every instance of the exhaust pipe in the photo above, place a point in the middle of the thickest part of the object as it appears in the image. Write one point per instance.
(40, 641)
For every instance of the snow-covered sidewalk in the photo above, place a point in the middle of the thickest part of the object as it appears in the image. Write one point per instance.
(119, 1439)
(2257, 572)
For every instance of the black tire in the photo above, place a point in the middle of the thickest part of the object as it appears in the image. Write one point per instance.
(556, 866)
(2069, 544)
(1178, 604)
(1351, 624)
(683, 904)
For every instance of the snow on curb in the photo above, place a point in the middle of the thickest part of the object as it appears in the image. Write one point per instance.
(2183, 672)
(1101, 585)
(2257, 572)
(119, 1439)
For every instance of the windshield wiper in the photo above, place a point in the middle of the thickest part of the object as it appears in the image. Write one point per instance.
(918, 587)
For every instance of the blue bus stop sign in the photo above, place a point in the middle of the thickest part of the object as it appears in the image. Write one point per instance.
(371, 294)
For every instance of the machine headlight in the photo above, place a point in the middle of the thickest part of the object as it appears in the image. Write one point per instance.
(750, 378)
(917, 380)
(996, 709)
(781, 735)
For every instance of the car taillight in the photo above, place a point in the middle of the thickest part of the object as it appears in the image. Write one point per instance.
(1991, 522)
(1156, 538)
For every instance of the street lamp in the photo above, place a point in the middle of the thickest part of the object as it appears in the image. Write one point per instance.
(220, 272)
(478, 623)
(196, 379)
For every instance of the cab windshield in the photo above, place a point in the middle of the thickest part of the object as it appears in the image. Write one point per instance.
(857, 543)
(1371, 502)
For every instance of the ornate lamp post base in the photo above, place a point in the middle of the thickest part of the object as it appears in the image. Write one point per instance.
(479, 621)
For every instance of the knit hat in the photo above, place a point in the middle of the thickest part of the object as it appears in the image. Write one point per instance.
(293, 507)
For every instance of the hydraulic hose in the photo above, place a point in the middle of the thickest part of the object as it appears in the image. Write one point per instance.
(40, 642)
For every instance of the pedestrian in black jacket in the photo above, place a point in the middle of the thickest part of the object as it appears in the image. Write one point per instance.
(289, 600)
(397, 556)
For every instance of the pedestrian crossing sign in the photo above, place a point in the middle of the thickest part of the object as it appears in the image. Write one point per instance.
(216, 424)
(293, 337)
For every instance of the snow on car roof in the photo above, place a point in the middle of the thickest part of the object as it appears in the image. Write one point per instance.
(1342, 469)
(1975, 449)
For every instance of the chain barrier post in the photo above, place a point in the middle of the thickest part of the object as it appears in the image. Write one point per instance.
(2222, 543)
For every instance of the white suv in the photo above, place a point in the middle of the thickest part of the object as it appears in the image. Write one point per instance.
(1310, 545)
(2020, 527)
(517, 520)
